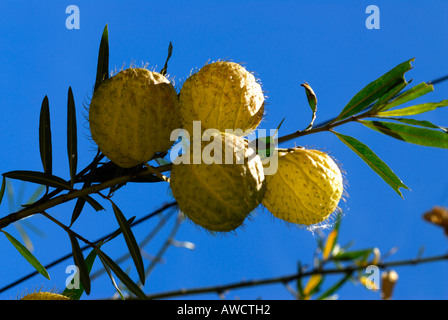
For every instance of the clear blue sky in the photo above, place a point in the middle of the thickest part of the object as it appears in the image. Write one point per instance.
(286, 43)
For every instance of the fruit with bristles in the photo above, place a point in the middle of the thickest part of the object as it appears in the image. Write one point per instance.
(132, 115)
(222, 95)
(219, 193)
(307, 187)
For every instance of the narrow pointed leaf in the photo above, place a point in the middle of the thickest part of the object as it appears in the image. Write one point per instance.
(72, 143)
(376, 89)
(93, 203)
(45, 137)
(352, 255)
(80, 263)
(133, 247)
(102, 72)
(124, 278)
(334, 288)
(27, 255)
(165, 67)
(413, 110)
(409, 95)
(420, 123)
(2, 189)
(76, 293)
(410, 134)
(312, 101)
(382, 102)
(38, 177)
(373, 161)
(118, 231)
(111, 277)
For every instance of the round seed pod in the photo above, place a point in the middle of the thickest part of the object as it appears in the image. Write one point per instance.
(222, 95)
(132, 115)
(219, 193)
(44, 296)
(306, 188)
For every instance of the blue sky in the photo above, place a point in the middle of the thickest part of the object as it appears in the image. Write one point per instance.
(285, 43)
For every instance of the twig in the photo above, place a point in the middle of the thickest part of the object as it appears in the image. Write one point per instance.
(289, 278)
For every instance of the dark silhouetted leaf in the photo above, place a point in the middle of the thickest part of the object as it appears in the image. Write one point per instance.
(80, 263)
(165, 67)
(373, 161)
(93, 203)
(411, 134)
(133, 247)
(76, 293)
(38, 177)
(45, 137)
(376, 89)
(27, 255)
(102, 72)
(124, 278)
(72, 142)
(2, 189)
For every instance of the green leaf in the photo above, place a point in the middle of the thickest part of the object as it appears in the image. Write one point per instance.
(165, 67)
(109, 273)
(409, 95)
(133, 247)
(410, 134)
(352, 255)
(382, 102)
(38, 177)
(312, 101)
(421, 123)
(2, 189)
(373, 161)
(72, 144)
(102, 72)
(131, 285)
(27, 255)
(413, 110)
(334, 288)
(45, 137)
(376, 89)
(80, 263)
(76, 293)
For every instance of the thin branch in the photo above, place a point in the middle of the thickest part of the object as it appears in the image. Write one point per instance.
(289, 278)
(69, 255)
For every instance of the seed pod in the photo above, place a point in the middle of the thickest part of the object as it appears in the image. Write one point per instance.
(306, 188)
(222, 95)
(44, 296)
(132, 115)
(218, 195)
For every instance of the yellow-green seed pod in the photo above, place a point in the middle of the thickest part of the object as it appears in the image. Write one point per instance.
(306, 188)
(44, 296)
(218, 195)
(222, 95)
(132, 115)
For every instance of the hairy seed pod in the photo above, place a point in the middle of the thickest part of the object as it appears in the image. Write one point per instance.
(44, 296)
(222, 95)
(306, 188)
(132, 115)
(219, 193)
